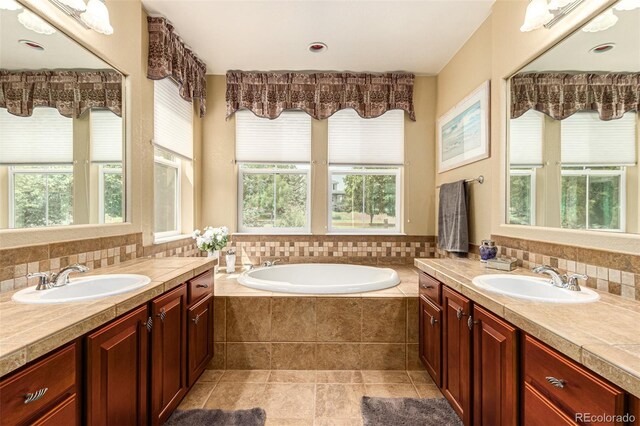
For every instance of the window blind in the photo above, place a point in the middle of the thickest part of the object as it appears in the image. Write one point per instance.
(587, 140)
(172, 119)
(44, 138)
(525, 139)
(106, 137)
(286, 139)
(356, 140)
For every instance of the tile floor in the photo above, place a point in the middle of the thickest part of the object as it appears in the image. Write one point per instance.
(305, 397)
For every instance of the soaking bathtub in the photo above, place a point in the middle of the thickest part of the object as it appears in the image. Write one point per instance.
(319, 278)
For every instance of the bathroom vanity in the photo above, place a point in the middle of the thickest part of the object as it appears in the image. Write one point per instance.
(503, 361)
(126, 359)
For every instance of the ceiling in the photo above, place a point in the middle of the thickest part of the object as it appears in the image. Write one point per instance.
(573, 54)
(60, 52)
(418, 36)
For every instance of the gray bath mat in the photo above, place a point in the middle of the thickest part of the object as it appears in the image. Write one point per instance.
(253, 417)
(408, 412)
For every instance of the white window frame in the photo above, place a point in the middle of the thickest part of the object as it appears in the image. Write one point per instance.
(531, 172)
(14, 170)
(589, 172)
(177, 164)
(274, 171)
(101, 172)
(370, 170)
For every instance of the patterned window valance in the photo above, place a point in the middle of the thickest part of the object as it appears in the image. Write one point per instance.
(70, 92)
(170, 57)
(319, 94)
(560, 95)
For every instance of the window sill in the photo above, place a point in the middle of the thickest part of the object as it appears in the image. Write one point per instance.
(171, 238)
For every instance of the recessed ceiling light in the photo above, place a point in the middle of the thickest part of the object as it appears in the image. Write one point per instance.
(602, 48)
(317, 47)
(31, 44)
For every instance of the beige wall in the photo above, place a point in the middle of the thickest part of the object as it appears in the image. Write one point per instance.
(219, 173)
(497, 50)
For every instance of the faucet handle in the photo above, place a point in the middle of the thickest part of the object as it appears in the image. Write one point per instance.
(538, 269)
(44, 279)
(572, 281)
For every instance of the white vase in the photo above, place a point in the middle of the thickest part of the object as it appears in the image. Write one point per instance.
(214, 254)
(231, 263)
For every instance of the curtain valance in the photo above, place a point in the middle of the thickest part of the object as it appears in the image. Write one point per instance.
(70, 92)
(170, 57)
(320, 94)
(560, 95)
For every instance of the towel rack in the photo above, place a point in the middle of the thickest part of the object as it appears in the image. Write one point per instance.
(479, 179)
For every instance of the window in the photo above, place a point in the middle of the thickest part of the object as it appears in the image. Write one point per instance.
(111, 204)
(365, 170)
(173, 138)
(106, 152)
(593, 198)
(522, 190)
(40, 196)
(274, 172)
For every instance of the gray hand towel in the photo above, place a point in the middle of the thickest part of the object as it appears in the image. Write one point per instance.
(453, 227)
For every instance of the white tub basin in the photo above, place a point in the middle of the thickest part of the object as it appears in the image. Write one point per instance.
(319, 278)
(86, 288)
(533, 288)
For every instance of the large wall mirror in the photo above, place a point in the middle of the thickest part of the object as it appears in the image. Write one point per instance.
(61, 128)
(574, 130)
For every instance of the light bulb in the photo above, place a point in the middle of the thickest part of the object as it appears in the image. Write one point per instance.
(624, 5)
(9, 5)
(77, 5)
(537, 15)
(97, 17)
(602, 22)
(35, 23)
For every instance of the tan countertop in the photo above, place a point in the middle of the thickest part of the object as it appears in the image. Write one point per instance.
(603, 336)
(28, 331)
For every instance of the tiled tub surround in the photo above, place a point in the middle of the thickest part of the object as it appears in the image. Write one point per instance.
(360, 249)
(96, 253)
(602, 336)
(30, 331)
(260, 330)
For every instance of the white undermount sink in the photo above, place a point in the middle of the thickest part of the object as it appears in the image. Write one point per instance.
(533, 288)
(85, 288)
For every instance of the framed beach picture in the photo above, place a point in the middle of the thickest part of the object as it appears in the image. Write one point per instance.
(463, 132)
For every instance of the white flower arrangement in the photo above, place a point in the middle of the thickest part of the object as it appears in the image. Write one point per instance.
(211, 239)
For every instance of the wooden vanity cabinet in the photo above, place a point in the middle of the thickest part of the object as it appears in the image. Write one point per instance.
(200, 337)
(430, 348)
(456, 353)
(117, 362)
(44, 393)
(495, 370)
(168, 355)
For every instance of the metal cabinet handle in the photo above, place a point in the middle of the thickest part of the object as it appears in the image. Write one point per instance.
(460, 313)
(433, 321)
(425, 286)
(558, 383)
(196, 319)
(202, 285)
(30, 397)
(162, 314)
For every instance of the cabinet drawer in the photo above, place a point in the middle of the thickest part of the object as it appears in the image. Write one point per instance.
(539, 411)
(431, 288)
(567, 384)
(64, 413)
(200, 286)
(51, 379)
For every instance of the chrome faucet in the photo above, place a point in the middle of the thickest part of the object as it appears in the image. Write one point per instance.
(569, 282)
(47, 281)
(269, 263)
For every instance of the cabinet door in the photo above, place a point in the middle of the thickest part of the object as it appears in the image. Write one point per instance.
(456, 353)
(539, 411)
(431, 338)
(494, 370)
(65, 413)
(168, 353)
(200, 346)
(117, 371)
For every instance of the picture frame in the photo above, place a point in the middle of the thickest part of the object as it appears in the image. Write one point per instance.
(463, 132)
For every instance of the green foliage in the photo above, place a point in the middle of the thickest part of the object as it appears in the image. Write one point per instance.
(43, 199)
(520, 200)
(369, 194)
(113, 209)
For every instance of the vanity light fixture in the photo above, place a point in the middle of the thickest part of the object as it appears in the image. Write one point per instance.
(602, 22)
(33, 22)
(10, 5)
(77, 5)
(559, 4)
(92, 15)
(627, 5)
(537, 15)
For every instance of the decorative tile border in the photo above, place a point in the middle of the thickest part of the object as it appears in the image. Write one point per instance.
(379, 249)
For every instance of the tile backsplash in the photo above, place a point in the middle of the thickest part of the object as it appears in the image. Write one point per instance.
(17, 262)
